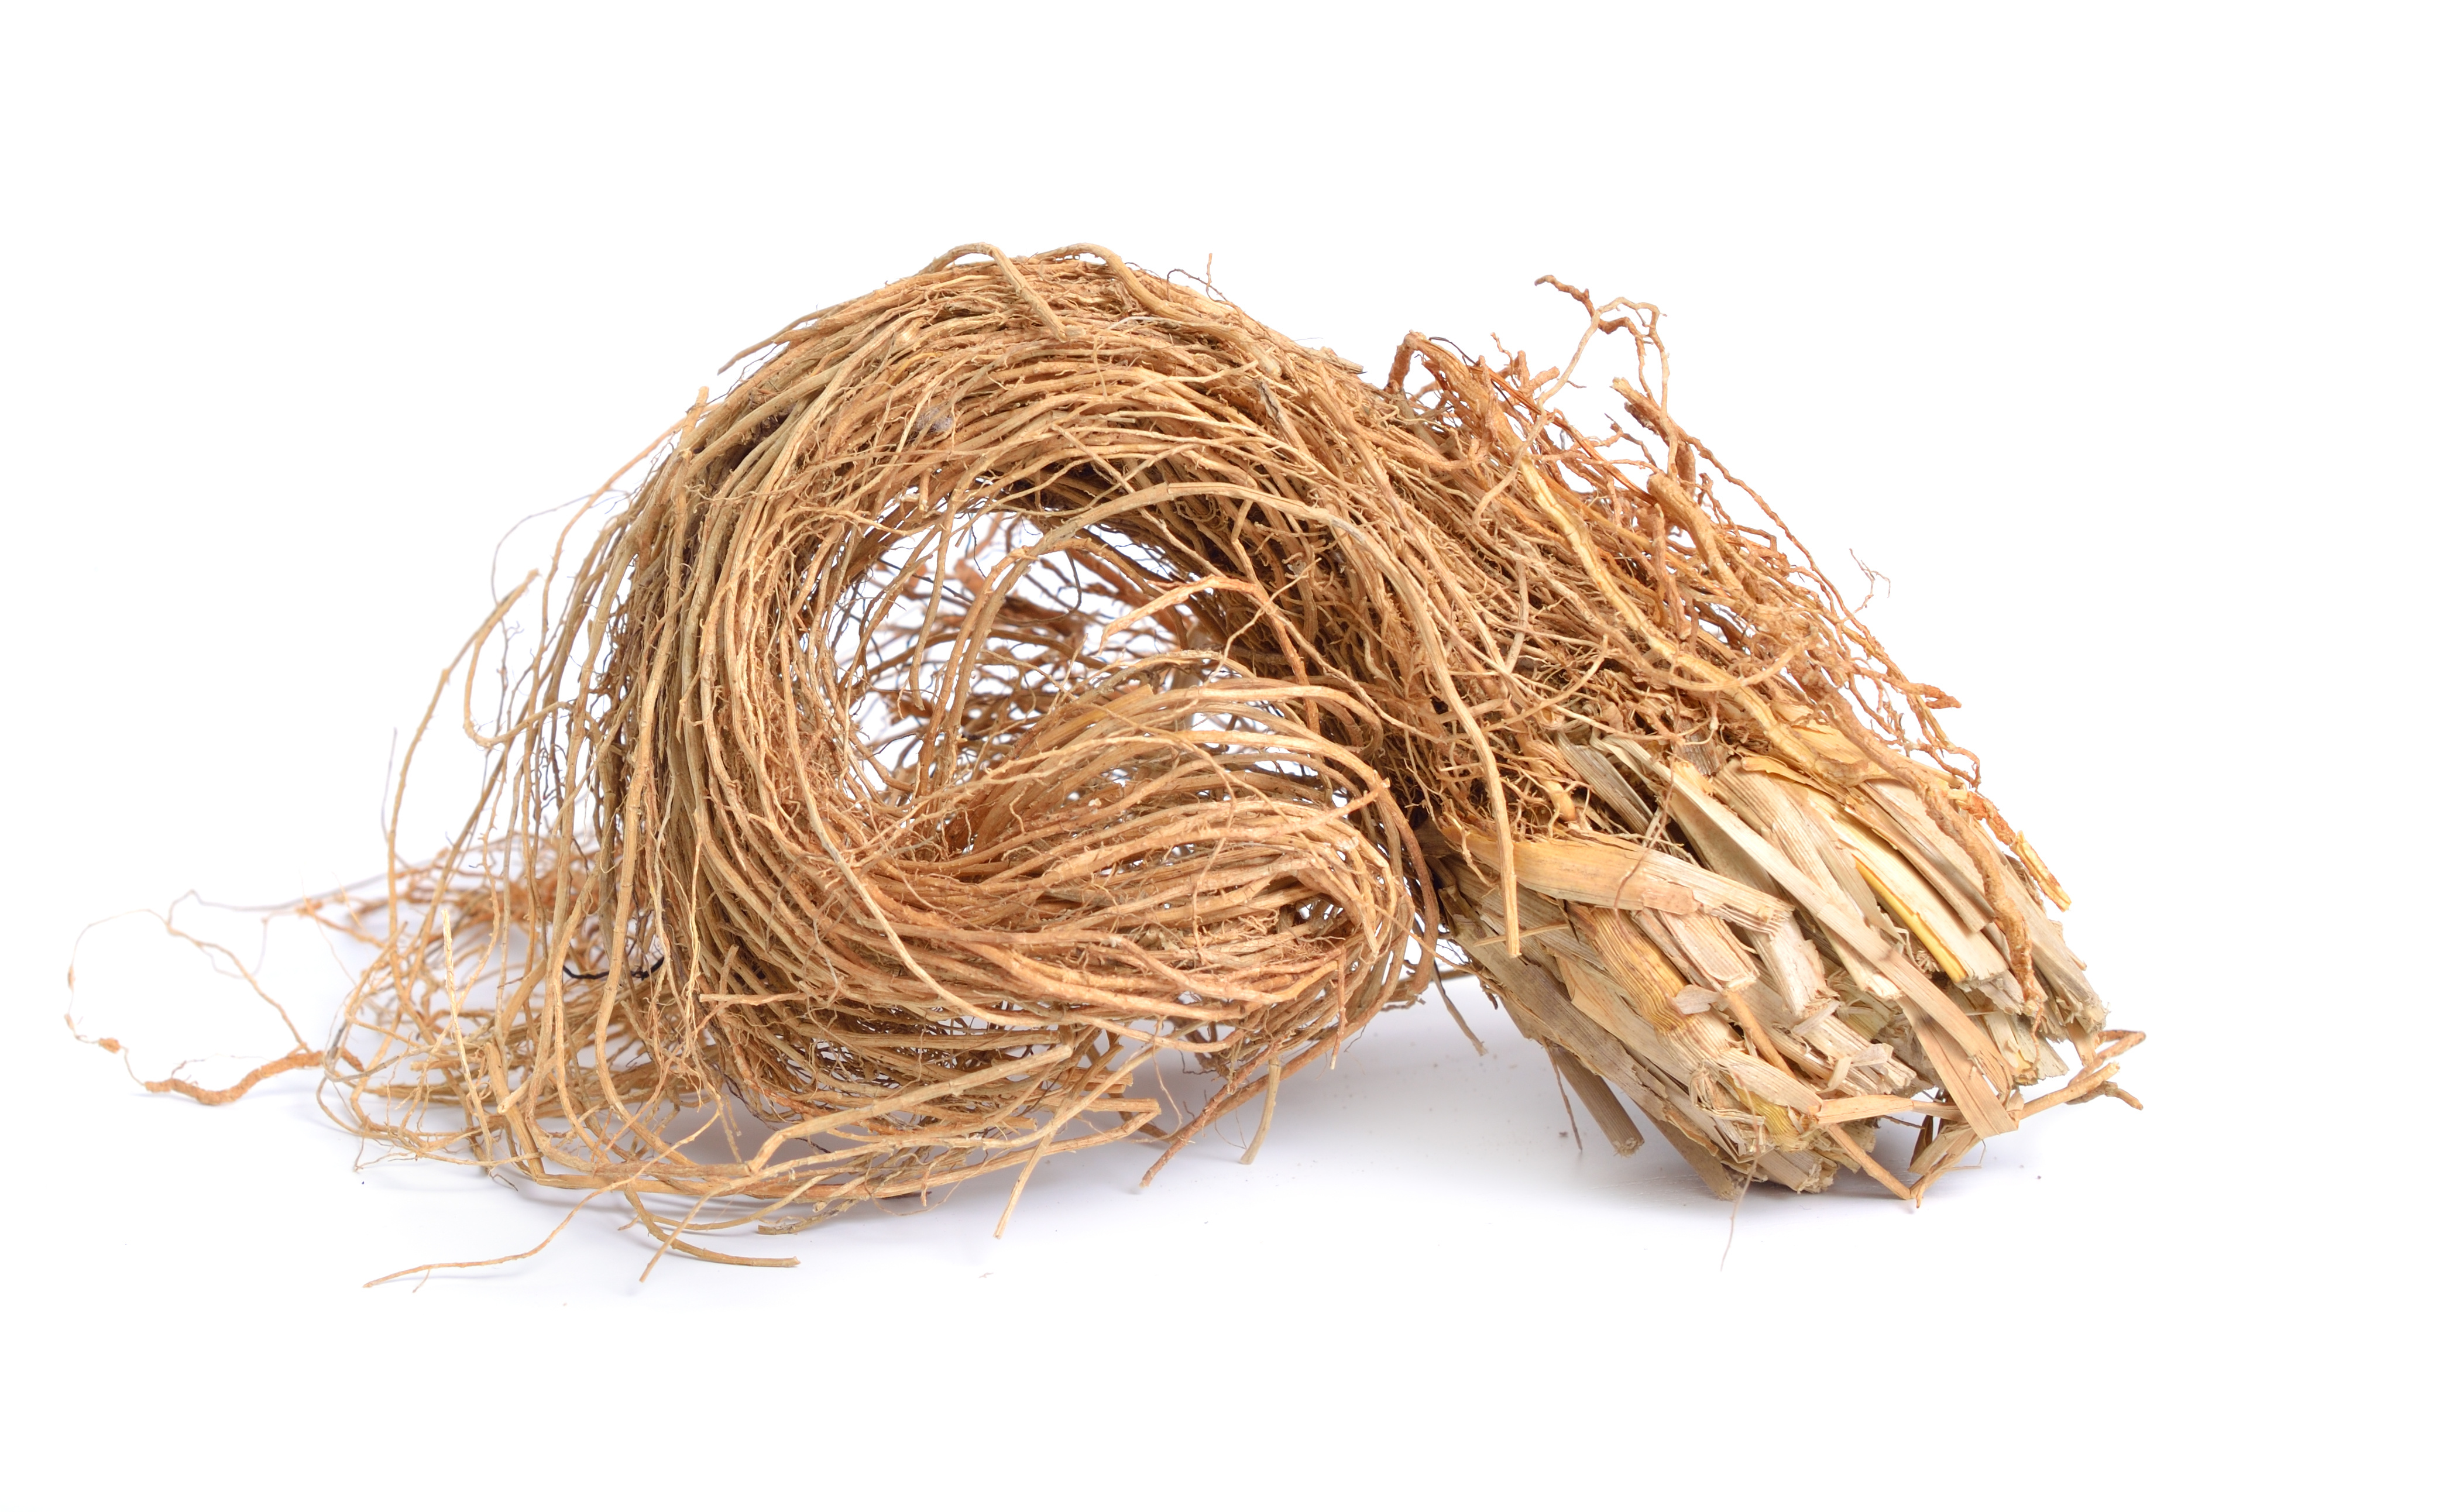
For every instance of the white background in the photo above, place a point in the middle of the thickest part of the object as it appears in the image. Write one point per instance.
(2112, 335)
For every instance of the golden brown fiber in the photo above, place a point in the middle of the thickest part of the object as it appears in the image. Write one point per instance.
(1032, 666)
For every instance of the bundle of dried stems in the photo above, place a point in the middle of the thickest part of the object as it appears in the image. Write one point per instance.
(1032, 666)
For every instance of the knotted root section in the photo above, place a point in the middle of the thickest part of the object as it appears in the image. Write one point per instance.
(1031, 667)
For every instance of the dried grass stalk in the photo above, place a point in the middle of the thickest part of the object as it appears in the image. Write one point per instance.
(1029, 666)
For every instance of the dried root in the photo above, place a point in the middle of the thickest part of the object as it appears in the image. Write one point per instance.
(1029, 667)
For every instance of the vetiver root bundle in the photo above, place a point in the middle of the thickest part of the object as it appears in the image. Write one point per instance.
(1031, 667)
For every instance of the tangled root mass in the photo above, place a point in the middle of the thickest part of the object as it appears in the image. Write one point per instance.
(1030, 667)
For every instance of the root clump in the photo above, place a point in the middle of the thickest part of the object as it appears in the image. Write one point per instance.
(1033, 667)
